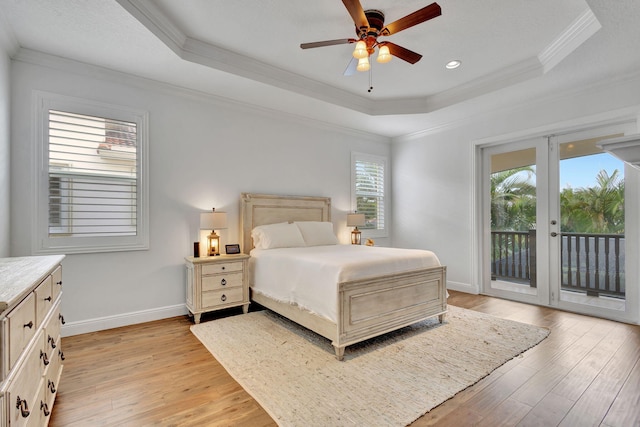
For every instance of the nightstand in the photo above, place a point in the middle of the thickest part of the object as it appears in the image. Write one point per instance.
(217, 282)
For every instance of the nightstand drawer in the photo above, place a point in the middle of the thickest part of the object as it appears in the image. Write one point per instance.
(221, 267)
(223, 297)
(221, 281)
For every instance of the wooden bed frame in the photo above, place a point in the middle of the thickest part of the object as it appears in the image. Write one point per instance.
(366, 307)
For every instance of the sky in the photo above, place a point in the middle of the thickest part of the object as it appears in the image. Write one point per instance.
(582, 171)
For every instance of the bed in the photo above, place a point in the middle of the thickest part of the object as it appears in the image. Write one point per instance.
(365, 305)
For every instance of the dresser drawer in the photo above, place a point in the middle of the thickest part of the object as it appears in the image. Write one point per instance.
(221, 281)
(221, 267)
(52, 376)
(52, 329)
(56, 285)
(44, 300)
(22, 327)
(222, 297)
(25, 387)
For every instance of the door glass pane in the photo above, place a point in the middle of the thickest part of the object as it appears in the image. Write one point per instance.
(513, 221)
(592, 226)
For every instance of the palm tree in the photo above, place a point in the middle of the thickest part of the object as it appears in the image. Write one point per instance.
(513, 199)
(605, 204)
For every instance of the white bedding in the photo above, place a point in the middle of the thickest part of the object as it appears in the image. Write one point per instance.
(309, 276)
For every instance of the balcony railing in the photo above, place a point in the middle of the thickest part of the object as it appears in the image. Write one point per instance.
(591, 263)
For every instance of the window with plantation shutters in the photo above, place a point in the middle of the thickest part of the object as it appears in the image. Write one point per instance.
(368, 186)
(92, 195)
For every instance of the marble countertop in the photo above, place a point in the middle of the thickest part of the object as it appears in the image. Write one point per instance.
(18, 275)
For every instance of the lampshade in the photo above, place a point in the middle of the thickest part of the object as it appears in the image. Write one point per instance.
(363, 64)
(361, 50)
(213, 220)
(384, 55)
(355, 219)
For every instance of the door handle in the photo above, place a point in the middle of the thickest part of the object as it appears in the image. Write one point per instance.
(554, 234)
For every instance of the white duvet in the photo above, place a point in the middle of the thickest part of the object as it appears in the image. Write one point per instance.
(309, 276)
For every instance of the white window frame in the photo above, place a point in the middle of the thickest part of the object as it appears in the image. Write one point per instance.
(42, 243)
(364, 157)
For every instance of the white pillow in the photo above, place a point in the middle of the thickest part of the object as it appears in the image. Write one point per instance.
(316, 233)
(282, 235)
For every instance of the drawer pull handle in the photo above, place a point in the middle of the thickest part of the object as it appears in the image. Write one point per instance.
(44, 408)
(52, 341)
(48, 299)
(223, 298)
(51, 386)
(24, 408)
(29, 325)
(223, 282)
(61, 354)
(61, 317)
(44, 357)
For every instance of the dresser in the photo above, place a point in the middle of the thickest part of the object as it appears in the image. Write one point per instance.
(217, 282)
(31, 356)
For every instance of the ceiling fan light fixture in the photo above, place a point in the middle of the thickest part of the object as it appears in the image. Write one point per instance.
(361, 50)
(384, 55)
(363, 64)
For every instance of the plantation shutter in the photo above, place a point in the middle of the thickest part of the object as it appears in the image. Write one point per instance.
(370, 192)
(92, 174)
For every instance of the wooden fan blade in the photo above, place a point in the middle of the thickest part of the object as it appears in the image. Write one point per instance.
(326, 43)
(415, 18)
(357, 13)
(351, 68)
(402, 53)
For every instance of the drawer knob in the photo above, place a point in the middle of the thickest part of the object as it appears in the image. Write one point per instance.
(223, 267)
(61, 354)
(29, 325)
(48, 298)
(59, 283)
(223, 298)
(51, 386)
(44, 357)
(24, 408)
(52, 341)
(61, 317)
(44, 408)
(223, 282)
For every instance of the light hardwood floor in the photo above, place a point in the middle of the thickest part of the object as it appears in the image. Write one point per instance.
(587, 372)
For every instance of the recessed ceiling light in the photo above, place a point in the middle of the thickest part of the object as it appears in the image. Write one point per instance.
(453, 64)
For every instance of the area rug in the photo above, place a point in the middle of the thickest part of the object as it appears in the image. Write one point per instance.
(387, 381)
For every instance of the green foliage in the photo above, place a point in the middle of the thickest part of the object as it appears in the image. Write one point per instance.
(597, 209)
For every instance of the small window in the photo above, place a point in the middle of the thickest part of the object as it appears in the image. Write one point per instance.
(368, 187)
(92, 194)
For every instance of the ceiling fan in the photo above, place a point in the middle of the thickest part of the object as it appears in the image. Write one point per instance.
(370, 26)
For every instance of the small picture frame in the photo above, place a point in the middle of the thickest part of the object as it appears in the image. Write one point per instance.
(232, 249)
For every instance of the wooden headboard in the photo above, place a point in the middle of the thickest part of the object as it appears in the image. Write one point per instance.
(263, 209)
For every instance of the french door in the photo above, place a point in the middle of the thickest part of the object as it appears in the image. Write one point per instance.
(554, 224)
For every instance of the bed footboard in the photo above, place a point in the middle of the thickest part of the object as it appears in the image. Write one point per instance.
(371, 307)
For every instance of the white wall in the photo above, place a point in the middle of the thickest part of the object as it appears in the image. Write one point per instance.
(5, 237)
(433, 181)
(203, 153)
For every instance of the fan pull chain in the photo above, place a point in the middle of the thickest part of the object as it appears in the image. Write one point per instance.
(370, 79)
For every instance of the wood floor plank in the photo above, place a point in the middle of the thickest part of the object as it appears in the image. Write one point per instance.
(159, 374)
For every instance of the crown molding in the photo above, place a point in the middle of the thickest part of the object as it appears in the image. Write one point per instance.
(207, 54)
(580, 30)
(84, 69)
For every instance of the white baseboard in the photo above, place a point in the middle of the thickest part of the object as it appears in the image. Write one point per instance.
(463, 287)
(109, 322)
